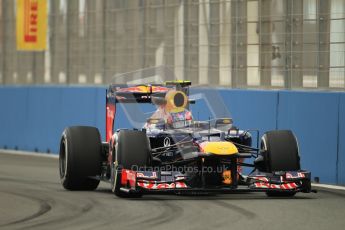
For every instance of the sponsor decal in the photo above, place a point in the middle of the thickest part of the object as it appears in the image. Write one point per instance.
(110, 115)
(226, 121)
(227, 179)
(159, 89)
(31, 23)
(154, 186)
(290, 175)
(263, 182)
(285, 186)
(128, 177)
(166, 142)
(147, 175)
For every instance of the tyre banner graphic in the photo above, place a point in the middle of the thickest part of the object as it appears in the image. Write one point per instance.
(31, 25)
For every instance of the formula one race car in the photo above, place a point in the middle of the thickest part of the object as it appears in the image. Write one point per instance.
(173, 153)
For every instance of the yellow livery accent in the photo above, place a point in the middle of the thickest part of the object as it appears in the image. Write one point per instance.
(143, 88)
(176, 101)
(219, 148)
(226, 121)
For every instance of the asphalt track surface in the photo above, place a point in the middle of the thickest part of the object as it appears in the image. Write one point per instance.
(31, 197)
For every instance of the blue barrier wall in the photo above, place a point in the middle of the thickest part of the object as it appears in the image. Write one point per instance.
(242, 106)
(341, 141)
(33, 118)
(314, 119)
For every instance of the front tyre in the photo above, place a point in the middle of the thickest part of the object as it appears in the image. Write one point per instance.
(280, 193)
(132, 152)
(80, 158)
(281, 153)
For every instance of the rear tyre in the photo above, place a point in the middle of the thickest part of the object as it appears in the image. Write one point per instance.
(280, 154)
(80, 158)
(132, 152)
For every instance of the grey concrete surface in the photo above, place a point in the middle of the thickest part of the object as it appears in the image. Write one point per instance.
(31, 197)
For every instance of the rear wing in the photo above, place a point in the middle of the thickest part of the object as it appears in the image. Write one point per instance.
(120, 93)
(135, 93)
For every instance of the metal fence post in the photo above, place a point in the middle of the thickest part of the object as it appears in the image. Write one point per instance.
(239, 43)
(324, 7)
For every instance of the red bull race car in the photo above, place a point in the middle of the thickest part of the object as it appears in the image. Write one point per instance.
(174, 153)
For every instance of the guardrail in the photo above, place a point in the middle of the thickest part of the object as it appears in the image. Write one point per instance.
(32, 118)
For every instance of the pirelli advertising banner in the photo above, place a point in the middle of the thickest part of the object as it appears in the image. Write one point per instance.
(31, 25)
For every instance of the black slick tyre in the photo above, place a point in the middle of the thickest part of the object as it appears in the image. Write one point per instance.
(80, 158)
(281, 153)
(132, 152)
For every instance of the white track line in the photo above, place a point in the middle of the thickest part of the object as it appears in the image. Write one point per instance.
(336, 187)
(25, 153)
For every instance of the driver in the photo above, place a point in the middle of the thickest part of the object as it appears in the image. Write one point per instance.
(171, 110)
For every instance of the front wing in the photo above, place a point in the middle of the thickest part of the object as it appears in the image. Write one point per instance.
(176, 182)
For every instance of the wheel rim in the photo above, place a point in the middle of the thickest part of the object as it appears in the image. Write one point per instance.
(63, 159)
(112, 178)
(263, 145)
(114, 171)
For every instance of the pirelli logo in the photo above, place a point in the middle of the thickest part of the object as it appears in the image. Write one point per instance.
(30, 20)
(31, 25)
